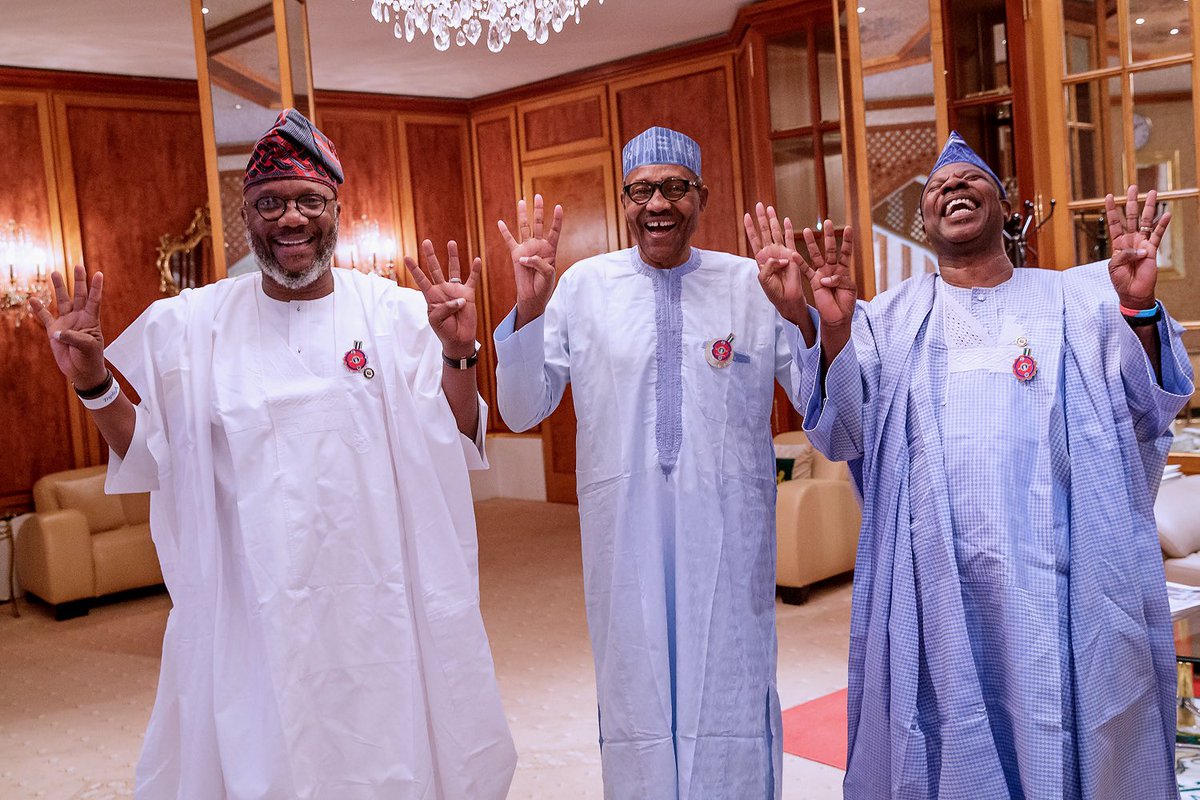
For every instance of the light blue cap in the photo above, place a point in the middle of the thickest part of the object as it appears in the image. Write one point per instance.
(661, 146)
(957, 151)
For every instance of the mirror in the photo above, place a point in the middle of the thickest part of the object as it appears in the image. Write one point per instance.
(182, 260)
(252, 62)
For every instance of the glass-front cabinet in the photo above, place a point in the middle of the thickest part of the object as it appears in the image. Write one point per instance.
(1127, 82)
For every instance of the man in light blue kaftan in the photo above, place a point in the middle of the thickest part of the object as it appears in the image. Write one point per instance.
(1010, 636)
(672, 353)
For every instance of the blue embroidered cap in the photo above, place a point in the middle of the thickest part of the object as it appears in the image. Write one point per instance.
(661, 146)
(957, 151)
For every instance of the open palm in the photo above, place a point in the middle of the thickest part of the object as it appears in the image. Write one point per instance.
(779, 271)
(452, 310)
(533, 255)
(1135, 238)
(75, 337)
(828, 271)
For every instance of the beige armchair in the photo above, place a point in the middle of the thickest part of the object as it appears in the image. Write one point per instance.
(82, 543)
(1179, 528)
(816, 525)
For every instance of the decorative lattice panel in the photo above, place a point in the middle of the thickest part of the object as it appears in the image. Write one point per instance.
(897, 154)
(236, 246)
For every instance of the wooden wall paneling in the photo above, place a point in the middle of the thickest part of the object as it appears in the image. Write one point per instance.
(436, 191)
(698, 99)
(35, 406)
(603, 74)
(497, 171)
(132, 170)
(365, 143)
(574, 122)
(586, 188)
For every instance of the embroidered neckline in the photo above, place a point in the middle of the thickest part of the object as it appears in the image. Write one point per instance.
(691, 265)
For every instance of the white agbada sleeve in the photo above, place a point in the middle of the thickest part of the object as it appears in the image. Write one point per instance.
(146, 367)
(831, 399)
(533, 364)
(1154, 404)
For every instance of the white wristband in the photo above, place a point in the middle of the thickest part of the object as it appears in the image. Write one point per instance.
(104, 400)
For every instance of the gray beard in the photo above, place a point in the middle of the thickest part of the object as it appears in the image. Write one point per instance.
(294, 280)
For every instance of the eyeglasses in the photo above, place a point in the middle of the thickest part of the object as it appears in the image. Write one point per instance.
(672, 189)
(271, 208)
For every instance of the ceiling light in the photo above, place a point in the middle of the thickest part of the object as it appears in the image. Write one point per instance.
(1140, 21)
(237, 106)
(1174, 31)
(862, 9)
(463, 20)
(204, 9)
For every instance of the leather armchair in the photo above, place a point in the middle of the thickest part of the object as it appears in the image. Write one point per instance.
(816, 525)
(82, 543)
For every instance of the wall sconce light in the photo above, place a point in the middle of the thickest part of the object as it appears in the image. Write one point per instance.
(24, 272)
(370, 250)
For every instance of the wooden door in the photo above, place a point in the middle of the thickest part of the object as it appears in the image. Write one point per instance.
(585, 187)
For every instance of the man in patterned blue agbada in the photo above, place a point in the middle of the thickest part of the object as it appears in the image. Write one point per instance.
(672, 354)
(1010, 636)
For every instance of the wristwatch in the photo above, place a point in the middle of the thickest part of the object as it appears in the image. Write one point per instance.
(462, 363)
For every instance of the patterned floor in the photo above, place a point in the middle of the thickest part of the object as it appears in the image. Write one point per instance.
(75, 696)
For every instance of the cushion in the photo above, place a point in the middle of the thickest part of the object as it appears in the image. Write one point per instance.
(1183, 570)
(793, 462)
(136, 506)
(1175, 513)
(103, 511)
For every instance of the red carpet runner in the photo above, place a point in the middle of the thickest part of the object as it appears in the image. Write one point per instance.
(816, 730)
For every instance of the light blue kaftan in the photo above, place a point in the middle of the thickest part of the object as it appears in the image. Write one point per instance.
(1010, 636)
(677, 509)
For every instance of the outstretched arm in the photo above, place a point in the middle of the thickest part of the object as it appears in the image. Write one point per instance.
(77, 344)
(452, 315)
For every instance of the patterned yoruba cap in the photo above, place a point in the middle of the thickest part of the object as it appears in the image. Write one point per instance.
(661, 146)
(957, 151)
(293, 148)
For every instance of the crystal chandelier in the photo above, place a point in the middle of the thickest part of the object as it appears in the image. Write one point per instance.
(464, 19)
(23, 275)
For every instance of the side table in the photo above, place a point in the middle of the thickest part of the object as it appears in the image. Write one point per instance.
(6, 533)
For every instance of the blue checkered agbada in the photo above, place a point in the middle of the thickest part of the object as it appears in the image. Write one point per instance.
(1010, 635)
(660, 146)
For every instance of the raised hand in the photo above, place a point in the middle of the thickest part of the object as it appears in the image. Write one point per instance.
(779, 262)
(1135, 238)
(451, 301)
(75, 337)
(828, 272)
(533, 257)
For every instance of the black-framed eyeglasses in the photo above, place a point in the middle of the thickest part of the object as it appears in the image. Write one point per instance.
(672, 189)
(271, 208)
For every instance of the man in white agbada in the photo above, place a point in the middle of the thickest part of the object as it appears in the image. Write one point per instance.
(672, 353)
(305, 434)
